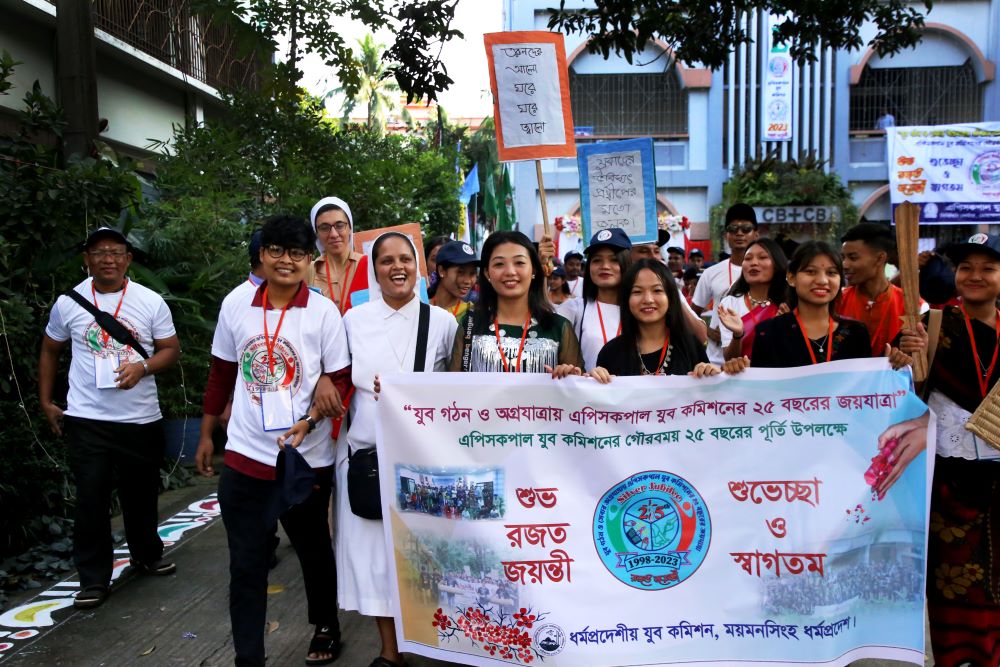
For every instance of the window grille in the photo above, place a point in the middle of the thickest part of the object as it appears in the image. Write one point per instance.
(629, 105)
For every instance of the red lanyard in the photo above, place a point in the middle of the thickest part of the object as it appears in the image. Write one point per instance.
(503, 357)
(984, 379)
(329, 283)
(93, 292)
(600, 318)
(805, 337)
(269, 343)
(663, 354)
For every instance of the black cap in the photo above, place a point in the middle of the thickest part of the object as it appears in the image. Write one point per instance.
(674, 250)
(456, 252)
(984, 243)
(558, 271)
(692, 273)
(696, 251)
(613, 238)
(662, 237)
(104, 233)
(741, 212)
(572, 254)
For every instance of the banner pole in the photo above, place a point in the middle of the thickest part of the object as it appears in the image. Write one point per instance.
(541, 193)
(907, 218)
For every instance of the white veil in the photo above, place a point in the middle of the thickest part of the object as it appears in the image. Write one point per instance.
(342, 205)
(374, 289)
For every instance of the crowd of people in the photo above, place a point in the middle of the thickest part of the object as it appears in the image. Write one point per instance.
(453, 501)
(878, 581)
(299, 346)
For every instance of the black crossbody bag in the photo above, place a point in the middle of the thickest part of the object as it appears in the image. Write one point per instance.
(362, 466)
(111, 326)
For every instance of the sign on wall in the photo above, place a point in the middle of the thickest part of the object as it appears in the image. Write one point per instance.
(618, 188)
(779, 90)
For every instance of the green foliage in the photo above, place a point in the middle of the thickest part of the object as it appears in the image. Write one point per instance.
(705, 33)
(375, 90)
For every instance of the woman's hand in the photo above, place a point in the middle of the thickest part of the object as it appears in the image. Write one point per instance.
(601, 375)
(897, 359)
(783, 308)
(294, 436)
(735, 366)
(913, 341)
(563, 370)
(704, 370)
(729, 319)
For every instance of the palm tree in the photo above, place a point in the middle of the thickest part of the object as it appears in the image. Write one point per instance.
(378, 88)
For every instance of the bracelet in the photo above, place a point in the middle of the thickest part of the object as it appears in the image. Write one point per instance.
(145, 368)
(310, 421)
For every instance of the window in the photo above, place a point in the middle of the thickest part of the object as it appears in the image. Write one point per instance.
(629, 105)
(916, 96)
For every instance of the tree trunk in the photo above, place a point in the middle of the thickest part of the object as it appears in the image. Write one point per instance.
(76, 69)
(293, 33)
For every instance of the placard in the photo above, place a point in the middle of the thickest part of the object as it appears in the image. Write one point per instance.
(618, 188)
(364, 239)
(530, 84)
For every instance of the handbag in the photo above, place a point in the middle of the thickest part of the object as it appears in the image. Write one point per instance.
(363, 491)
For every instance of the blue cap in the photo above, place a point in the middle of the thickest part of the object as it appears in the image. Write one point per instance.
(559, 271)
(456, 252)
(984, 243)
(613, 238)
(295, 478)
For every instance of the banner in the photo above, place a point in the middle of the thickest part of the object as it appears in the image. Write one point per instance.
(530, 85)
(951, 171)
(618, 188)
(779, 91)
(653, 521)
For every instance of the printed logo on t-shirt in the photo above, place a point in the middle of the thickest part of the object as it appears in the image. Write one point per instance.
(101, 344)
(256, 370)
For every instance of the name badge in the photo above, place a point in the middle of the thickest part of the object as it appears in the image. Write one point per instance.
(276, 410)
(104, 371)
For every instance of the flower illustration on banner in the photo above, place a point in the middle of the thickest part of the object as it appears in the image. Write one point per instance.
(498, 634)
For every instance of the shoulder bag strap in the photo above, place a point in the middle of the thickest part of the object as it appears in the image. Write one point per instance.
(423, 326)
(467, 345)
(111, 326)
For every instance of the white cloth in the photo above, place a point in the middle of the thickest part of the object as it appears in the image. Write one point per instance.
(311, 342)
(953, 439)
(587, 326)
(736, 304)
(382, 340)
(146, 315)
(575, 287)
(714, 283)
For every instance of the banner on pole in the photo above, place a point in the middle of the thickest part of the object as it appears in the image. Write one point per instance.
(951, 171)
(779, 89)
(721, 520)
(530, 84)
(618, 188)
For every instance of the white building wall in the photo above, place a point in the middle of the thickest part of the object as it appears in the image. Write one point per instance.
(32, 46)
(138, 110)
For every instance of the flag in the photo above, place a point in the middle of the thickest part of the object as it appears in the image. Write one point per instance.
(506, 215)
(490, 196)
(471, 185)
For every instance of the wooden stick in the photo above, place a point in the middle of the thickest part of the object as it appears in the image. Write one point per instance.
(907, 233)
(541, 193)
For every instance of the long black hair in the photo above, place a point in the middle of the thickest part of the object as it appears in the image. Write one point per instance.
(681, 335)
(777, 289)
(538, 301)
(806, 253)
(589, 288)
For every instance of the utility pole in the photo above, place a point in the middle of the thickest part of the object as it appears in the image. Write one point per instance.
(76, 72)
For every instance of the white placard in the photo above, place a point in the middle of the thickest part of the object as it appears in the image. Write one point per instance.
(530, 103)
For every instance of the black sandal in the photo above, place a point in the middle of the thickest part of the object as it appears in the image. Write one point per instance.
(326, 639)
(385, 662)
(91, 597)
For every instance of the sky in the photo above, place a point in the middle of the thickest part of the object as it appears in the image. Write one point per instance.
(465, 60)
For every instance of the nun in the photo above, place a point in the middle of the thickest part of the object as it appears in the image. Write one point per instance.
(339, 272)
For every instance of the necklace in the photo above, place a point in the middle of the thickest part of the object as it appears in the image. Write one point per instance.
(664, 357)
(821, 343)
(753, 303)
(810, 342)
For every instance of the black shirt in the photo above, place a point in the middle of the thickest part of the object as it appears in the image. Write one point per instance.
(621, 357)
(779, 343)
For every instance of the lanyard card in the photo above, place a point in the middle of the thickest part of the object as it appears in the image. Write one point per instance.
(983, 451)
(104, 371)
(276, 409)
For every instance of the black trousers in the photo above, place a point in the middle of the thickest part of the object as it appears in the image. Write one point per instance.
(102, 456)
(247, 505)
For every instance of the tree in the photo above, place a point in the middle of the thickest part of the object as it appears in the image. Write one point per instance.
(377, 86)
(707, 31)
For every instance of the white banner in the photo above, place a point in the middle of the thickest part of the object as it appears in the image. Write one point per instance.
(655, 520)
(951, 171)
(779, 91)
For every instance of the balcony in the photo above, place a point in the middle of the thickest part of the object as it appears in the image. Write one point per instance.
(200, 47)
(868, 147)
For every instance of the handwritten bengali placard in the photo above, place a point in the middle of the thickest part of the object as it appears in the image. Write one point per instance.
(569, 523)
(618, 188)
(952, 172)
(530, 84)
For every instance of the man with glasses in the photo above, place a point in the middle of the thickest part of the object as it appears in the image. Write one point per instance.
(112, 420)
(740, 230)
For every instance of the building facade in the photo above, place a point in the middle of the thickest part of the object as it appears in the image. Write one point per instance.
(706, 123)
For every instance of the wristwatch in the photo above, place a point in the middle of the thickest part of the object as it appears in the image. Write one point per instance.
(145, 367)
(309, 420)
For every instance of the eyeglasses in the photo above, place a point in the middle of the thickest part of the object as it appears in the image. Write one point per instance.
(116, 255)
(295, 254)
(739, 229)
(339, 226)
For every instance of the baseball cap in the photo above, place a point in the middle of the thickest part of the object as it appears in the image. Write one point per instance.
(662, 237)
(456, 252)
(692, 273)
(984, 243)
(675, 250)
(572, 254)
(696, 251)
(741, 212)
(104, 233)
(559, 271)
(614, 238)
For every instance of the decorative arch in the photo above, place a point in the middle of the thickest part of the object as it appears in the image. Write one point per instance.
(985, 69)
(690, 77)
(872, 198)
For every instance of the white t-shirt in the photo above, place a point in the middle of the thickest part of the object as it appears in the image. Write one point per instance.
(714, 283)
(311, 342)
(146, 315)
(592, 336)
(384, 340)
(575, 287)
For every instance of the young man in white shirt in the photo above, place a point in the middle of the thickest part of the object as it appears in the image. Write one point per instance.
(112, 420)
(740, 230)
(277, 350)
(573, 264)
